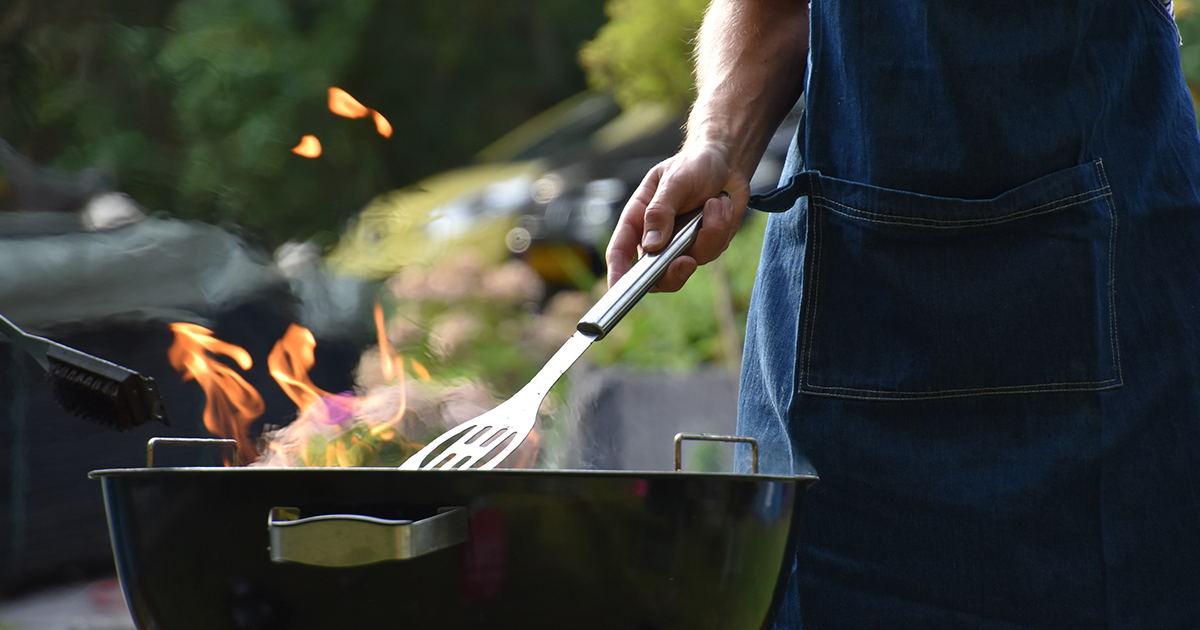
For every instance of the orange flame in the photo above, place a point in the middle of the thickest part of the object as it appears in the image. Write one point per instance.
(385, 348)
(231, 403)
(342, 104)
(382, 125)
(422, 373)
(289, 362)
(309, 147)
(390, 367)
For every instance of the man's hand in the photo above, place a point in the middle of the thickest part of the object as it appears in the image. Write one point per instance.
(692, 178)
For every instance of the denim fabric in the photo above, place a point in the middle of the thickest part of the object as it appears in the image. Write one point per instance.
(978, 319)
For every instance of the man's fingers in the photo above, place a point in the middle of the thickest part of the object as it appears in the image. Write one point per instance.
(622, 249)
(677, 274)
(721, 219)
(713, 237)
(627, 235)
(667, 203)
(660, 222)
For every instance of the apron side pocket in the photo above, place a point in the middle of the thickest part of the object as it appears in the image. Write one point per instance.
(909, 296)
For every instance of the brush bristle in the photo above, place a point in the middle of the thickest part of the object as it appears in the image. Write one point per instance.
(99, 397)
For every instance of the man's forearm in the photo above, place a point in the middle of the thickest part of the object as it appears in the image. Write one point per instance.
(750, 62)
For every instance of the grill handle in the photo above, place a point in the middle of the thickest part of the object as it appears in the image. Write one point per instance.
(711, 437)
(351, 540)
(638, 281)
(156, 441)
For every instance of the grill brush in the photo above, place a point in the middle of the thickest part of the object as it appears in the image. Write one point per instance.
(90, 387)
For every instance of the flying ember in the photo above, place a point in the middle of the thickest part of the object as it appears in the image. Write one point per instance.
(342, 104)
(309, 147)
(381, 124)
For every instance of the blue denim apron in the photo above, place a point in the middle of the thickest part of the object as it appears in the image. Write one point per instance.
(979, 319)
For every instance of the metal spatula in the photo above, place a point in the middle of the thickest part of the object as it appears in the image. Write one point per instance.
(481, 443)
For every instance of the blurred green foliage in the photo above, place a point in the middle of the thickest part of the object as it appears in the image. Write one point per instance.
(1188, 21)
(644, 52)
(193, 106)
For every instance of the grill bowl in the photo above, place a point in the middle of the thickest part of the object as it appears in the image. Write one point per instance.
(609, 550)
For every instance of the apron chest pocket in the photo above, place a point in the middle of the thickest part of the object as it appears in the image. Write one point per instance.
(908, 296)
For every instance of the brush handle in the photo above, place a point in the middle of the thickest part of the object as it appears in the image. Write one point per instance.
(43, 350)
(34, 345)
(638, 281)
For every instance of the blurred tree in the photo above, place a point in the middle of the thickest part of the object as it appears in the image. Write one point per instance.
(193, 105)
(77, 90)
(644, 52)
(1188, 21)
(248, 79)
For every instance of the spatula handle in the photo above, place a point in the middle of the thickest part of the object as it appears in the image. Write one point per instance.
(638, 281)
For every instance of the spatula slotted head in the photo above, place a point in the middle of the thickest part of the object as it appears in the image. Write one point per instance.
(480, 444)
